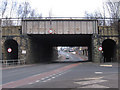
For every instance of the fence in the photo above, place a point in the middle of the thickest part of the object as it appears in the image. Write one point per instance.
(13, 62)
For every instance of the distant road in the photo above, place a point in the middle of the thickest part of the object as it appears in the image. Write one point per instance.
(72, 57)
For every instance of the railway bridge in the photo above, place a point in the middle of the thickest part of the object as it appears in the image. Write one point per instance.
(35, 40)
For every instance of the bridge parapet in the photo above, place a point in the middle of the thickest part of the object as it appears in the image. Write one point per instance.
(59, 26)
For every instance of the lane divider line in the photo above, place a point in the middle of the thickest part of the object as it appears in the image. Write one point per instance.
(30, 83)
(38, 81)
(55, 75)
(98, 72)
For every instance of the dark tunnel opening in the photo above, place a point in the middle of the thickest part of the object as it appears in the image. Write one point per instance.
(109, 50)
(13, 45)
(43, 47)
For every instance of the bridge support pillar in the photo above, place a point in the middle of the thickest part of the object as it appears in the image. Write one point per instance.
(40, 52)
(96, 54)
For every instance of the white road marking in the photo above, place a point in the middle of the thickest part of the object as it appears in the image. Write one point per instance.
(53, 77)
(95, 86)
(42, 78)
(106, 65)
(92, 78)
(48, 79)
(30, 83)
(36, 75)
(90, 82)
(38, 81)
(50, 75)
(59, 74)
(98, 72)
(54, 74)
(45, 78)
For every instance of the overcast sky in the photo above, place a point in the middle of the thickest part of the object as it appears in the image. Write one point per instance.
(66, 8)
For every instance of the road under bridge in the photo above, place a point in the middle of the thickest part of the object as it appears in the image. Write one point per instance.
(42, 46)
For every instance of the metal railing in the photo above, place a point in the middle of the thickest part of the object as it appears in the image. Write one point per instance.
(13, 62)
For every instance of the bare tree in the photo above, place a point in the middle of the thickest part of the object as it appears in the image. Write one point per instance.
(26, 9)
(110, 7)
(13, 7)
(113, 8)
(19, 11)
(95, 15)
(34, 14)
(3, 7)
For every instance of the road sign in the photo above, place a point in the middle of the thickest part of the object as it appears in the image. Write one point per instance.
(9, 50)
(100, 48)
(50, 31)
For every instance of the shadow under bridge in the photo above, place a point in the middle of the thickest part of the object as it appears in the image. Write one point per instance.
(43, 47)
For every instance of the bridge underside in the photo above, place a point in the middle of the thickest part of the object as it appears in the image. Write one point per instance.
(42, 46)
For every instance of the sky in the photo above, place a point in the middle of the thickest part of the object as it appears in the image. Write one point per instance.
(66, 8)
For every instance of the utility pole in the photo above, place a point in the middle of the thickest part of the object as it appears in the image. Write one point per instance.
(0, 39)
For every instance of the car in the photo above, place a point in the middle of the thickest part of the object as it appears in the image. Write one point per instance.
(73, 52)
(67, 57)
